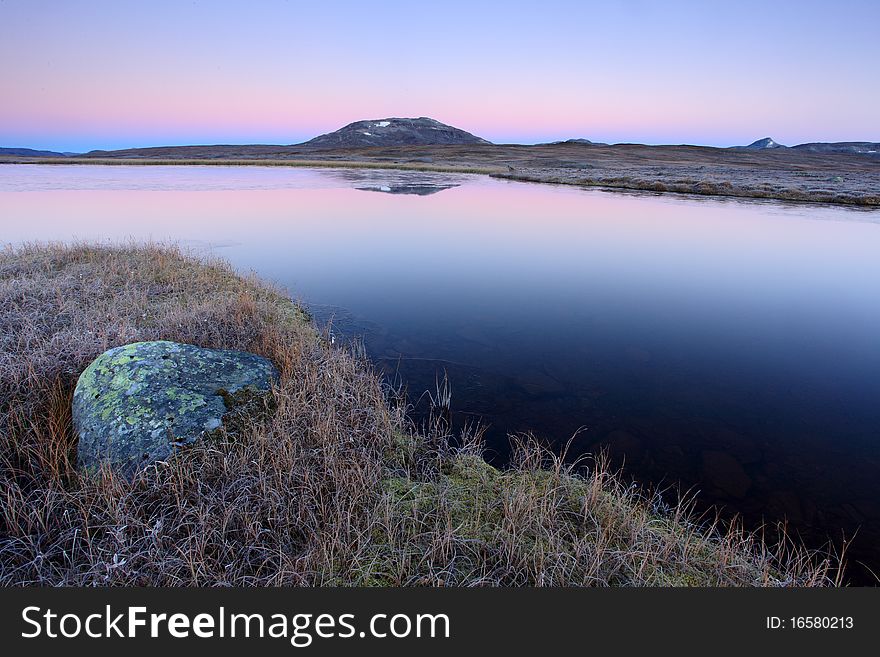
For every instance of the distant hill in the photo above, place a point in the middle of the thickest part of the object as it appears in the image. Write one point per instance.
(762, 144)
(853, 147)
(572, 141)
(422, 132)
(394, 132)
(30, 152)
(859, 147)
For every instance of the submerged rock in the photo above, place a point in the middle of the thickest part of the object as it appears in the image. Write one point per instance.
(137, 403)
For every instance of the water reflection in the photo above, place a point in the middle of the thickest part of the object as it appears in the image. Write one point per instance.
(418, 190)
(732, 347)
(391, 181)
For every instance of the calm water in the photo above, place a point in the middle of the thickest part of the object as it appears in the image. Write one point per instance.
(731, 347)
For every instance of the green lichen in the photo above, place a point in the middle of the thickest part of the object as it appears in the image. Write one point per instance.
(139, 402)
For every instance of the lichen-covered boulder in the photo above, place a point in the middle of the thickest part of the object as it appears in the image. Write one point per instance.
(137, 403)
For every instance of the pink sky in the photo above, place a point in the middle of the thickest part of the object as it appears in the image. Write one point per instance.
(81, 75)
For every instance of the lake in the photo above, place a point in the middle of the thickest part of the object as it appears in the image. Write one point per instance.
(727, 347)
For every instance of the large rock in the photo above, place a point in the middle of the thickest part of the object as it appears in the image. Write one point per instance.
(137, 403)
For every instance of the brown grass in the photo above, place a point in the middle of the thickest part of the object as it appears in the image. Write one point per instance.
(741, 188)
(335, 488)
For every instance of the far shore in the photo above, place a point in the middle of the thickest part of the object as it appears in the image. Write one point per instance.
(839, 179)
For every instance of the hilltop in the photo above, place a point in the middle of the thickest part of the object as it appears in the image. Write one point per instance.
(844, 147)
(394, 132)
(762, 144)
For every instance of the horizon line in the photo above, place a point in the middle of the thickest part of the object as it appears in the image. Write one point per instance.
(491, 143)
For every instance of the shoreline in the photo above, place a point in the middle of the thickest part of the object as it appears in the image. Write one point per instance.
(258, 496)
(805, 180)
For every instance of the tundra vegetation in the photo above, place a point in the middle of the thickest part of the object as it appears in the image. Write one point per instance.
(335, 487)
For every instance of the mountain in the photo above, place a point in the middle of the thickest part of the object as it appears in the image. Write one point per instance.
(858, 147)
(849, 147)
(393, 132)
(30, 152)
(763, 144)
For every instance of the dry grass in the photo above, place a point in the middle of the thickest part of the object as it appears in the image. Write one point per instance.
(334, 488)
(748, 188)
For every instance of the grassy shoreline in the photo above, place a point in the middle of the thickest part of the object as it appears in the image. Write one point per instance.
(799, 185)
(336, 488)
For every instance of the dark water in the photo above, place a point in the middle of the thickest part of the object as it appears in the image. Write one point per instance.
(729, 347)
